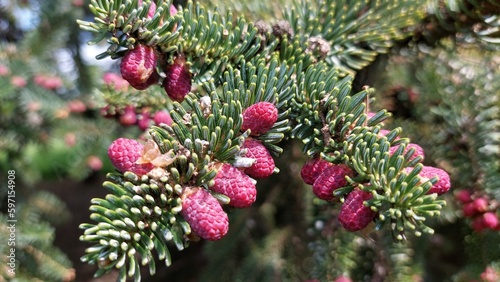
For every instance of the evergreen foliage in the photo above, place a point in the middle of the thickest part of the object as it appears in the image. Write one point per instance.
(458, 109)
(327, 117)
(42, 136)
(357, 32)
(469, 20)
(36, 256)
(433, 76)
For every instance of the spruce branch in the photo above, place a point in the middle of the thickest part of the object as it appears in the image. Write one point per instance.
(355, 31)
(470, 117)
(262, 81)
(127, 22)
(399, 197)
(37, 257)
(139, 216)
(232, 72)
(208, 40)
(466, 18)
(211, 40)
(202, 132)
(325, 110)
(331, 123)
(253, 10)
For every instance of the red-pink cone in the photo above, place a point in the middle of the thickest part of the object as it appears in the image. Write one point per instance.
(236, 185)
(124, 154)
(264, 163)
(259, 118)
(354, 215)
(138, 67)
(204, 214)
(332, 178)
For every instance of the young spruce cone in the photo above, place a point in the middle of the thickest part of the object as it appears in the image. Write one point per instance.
(259, 118)
(354, 215)
(204, 214)
(441, 186)
(138, 67)
(177, 82)
(238, 186)
(331, 179)
(264, 163)
(312, 169)
(124, 154)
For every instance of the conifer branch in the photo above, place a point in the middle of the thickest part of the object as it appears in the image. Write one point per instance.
(141, 215)
(233, 72)
(477, 129)
(355, 32)
(478, 19)
(37, 256)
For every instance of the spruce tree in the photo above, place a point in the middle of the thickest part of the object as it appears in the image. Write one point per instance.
(304, 64)
(294, 140)
(48, 132)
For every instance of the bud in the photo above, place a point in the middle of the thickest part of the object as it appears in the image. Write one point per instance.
(138, 67)
(177, 82)
(204, 214)
(129, 117)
